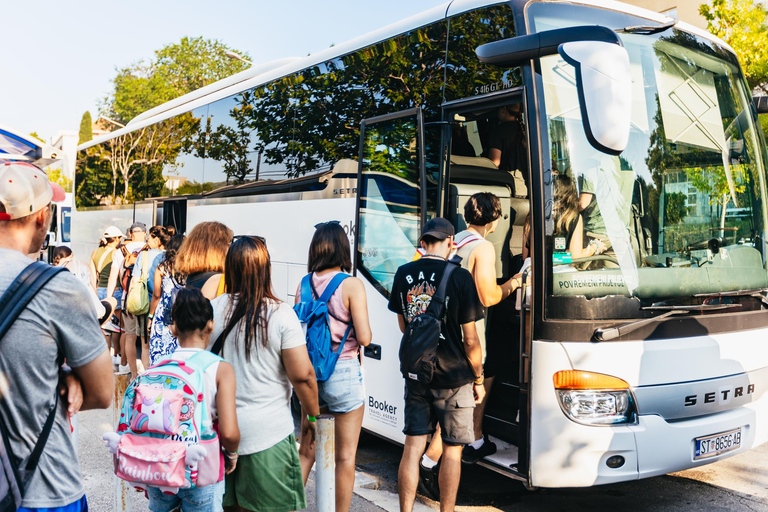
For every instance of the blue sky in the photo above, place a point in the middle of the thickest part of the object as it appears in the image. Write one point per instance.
(58, 57)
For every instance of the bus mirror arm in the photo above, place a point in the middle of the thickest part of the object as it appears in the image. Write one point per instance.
(517, 50)
(603, 78)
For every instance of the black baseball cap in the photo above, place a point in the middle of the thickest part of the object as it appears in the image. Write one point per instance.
(438, 228)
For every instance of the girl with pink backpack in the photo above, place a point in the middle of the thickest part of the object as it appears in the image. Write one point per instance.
(178, 433)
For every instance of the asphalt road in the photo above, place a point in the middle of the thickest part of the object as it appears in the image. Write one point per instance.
(738, 483)
(734, 484)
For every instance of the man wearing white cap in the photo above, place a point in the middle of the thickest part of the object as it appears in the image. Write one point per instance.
(58, 324)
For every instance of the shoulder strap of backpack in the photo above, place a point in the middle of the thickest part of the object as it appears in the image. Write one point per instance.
(18, 295)
(332, 286)
(218, 345)
(437, 303)
(307, 288)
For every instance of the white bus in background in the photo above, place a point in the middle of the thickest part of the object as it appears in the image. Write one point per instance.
(20, 147)
(639, 362)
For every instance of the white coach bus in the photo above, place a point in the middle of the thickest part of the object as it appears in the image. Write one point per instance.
(645, 359)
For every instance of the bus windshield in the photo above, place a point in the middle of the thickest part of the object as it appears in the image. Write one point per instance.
(680, 215)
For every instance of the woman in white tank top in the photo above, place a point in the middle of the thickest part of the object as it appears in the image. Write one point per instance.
(343, 394)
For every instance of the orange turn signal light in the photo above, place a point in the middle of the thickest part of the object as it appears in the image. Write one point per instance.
(578, 379)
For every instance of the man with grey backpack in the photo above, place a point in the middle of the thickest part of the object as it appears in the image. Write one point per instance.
(437, 306)
(46, 319)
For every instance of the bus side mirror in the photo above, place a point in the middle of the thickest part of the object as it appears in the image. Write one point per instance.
(605, 92)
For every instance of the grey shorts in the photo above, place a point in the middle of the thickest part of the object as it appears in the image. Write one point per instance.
(451, 408)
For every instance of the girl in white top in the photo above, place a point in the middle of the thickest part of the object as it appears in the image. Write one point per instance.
(263, 340)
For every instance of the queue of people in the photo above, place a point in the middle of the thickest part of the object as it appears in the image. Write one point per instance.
(211, 291)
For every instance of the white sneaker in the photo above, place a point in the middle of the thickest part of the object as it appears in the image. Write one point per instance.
(116, 360)
(123, 368)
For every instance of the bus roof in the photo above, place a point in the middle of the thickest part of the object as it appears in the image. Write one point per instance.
(264, 73)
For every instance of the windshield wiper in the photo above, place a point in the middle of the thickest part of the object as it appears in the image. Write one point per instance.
(610, 333)
(648, 29)
(690, 307)
(752, 293)
(761, 293)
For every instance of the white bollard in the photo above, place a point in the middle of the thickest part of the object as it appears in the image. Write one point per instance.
(325, 463)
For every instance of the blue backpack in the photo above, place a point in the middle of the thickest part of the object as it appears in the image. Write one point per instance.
(313, 312)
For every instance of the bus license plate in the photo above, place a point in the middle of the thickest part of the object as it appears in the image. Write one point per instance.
(709, 446)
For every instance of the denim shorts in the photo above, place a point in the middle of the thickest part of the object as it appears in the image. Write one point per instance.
(201, 499)
(117, 294)
(343, 392)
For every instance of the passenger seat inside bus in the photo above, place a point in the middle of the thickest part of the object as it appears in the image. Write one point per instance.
(470, 175)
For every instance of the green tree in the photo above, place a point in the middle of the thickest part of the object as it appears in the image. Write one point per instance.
(57, 175)
(133, 164)
(86, 128)
(176, 69)
(674, 208)
(742, 24)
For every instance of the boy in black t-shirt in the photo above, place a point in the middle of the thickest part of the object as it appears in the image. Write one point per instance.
(458, 379)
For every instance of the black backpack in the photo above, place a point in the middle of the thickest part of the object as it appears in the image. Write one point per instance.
(15, 474)
(418, 348)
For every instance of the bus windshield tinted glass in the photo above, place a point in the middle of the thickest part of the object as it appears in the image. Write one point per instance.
(682, 211)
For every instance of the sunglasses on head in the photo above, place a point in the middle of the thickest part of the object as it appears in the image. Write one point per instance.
(253, 237)
(326, 223)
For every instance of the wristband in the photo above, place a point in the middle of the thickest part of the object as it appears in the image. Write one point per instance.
(311, 419)
(150, 316)
(230, 455)
(480, 380)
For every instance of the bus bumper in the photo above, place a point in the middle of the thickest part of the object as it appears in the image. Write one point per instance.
(664, 447)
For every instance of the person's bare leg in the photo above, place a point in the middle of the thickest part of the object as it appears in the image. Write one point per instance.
(307, 450)
(115, 340)
(347, 429)
(145, 351)
(450, 474)
(408, 472)
(130, 354)
(435, 448)
(123, 353)
(477, 414)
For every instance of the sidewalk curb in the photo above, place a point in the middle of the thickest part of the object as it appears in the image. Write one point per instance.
(368, 488)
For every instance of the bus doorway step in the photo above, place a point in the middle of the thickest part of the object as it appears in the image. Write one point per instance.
(504, 461)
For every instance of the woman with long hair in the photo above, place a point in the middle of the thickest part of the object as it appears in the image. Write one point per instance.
(263, 340)
(201, 257)
(343, 394)
(161, 341)
(568, 222)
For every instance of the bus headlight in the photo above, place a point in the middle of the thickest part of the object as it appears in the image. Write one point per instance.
(594, 398)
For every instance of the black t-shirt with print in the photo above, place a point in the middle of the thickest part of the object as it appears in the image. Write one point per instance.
(414, 285)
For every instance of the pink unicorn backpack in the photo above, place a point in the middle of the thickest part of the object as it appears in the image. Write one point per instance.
(166, 437)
